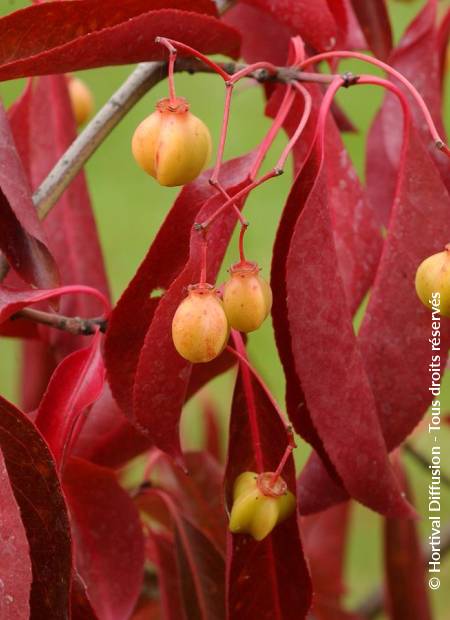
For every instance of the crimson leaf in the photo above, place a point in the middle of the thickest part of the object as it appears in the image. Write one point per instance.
(33, 476)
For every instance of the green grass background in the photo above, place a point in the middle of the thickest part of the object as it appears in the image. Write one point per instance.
(130, 207)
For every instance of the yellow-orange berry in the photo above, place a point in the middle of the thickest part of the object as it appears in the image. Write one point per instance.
(172, 144)
(260, 502)
(247, 297)
(200, 328)
(81, 99)
(433, 281)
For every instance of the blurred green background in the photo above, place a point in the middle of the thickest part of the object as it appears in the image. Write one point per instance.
(130, 207)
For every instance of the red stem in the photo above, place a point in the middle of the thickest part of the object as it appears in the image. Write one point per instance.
(241, 243)
(223, 134)
(382, 65)
(227, 196)
(243, 192)
(251, 68)
(251, 402)
(278, 121)
(301, 126)
(204, 257)
(191, 51)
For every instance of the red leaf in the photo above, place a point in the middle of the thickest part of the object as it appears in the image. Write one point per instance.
(418, 228)
(38, 364)
(200, 565)
(374, 20)
(109, 545)
(80, 607)
(70, 226)
(407, 594)
(172, 263)
(267, 579)
(199, 493)
(21, 237)
(325, 541)
(254, 46)
(108, 438)
(443, 37)
(417, 58)
(15, 563)
(33, 476)
(65, 36)
(162, 553)
(313, 21)
(317, 486)
(75, 385)
(319, 316)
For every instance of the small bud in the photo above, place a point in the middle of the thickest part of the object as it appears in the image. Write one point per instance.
(200, 328)
(432, 277)
(260, 502)
(81, 99)
(247, 297)
(172, 144)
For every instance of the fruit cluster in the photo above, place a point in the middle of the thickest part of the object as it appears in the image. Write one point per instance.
(202, 322)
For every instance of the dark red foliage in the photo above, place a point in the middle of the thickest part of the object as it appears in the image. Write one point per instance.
(407, 590)
(15, 563)
(32, 473)
(374, 21)
(268, 579)
(21, 237)
(81, 34)
(109, 545)
(139, 349)
(75, 385)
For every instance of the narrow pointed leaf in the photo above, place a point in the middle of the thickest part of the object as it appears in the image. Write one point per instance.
(162, 553)
(75, 385)
(313, 21)
(406, 577)
(374, 20)
(15, 563)
(140, 354)
(109, 545)
(320, 318)
(33, 477)
(267, 579)
(21, 236)
(82, 34)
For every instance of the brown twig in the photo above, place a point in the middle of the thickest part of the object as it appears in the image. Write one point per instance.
(73, 325)
(373, 605)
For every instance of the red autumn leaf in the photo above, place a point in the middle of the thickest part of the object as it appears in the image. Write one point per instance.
(199, 493)
(318, 487)
(38, 364)
(70, 226)
(325, 541)
(407, 591)
(254, 46)
(139, 349)
(15, 563)
(108, 438)
(160, 549)
(267, 579)
(321, 320)
(80, 607)
(75, 385)
(109, 545)
(417, 58)
(421, 204)
(313, 21)
(21, 237)
(60, 37)
(211, 429)
(33, 477)
(201, 568)
(374, 20)
(443, 37)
